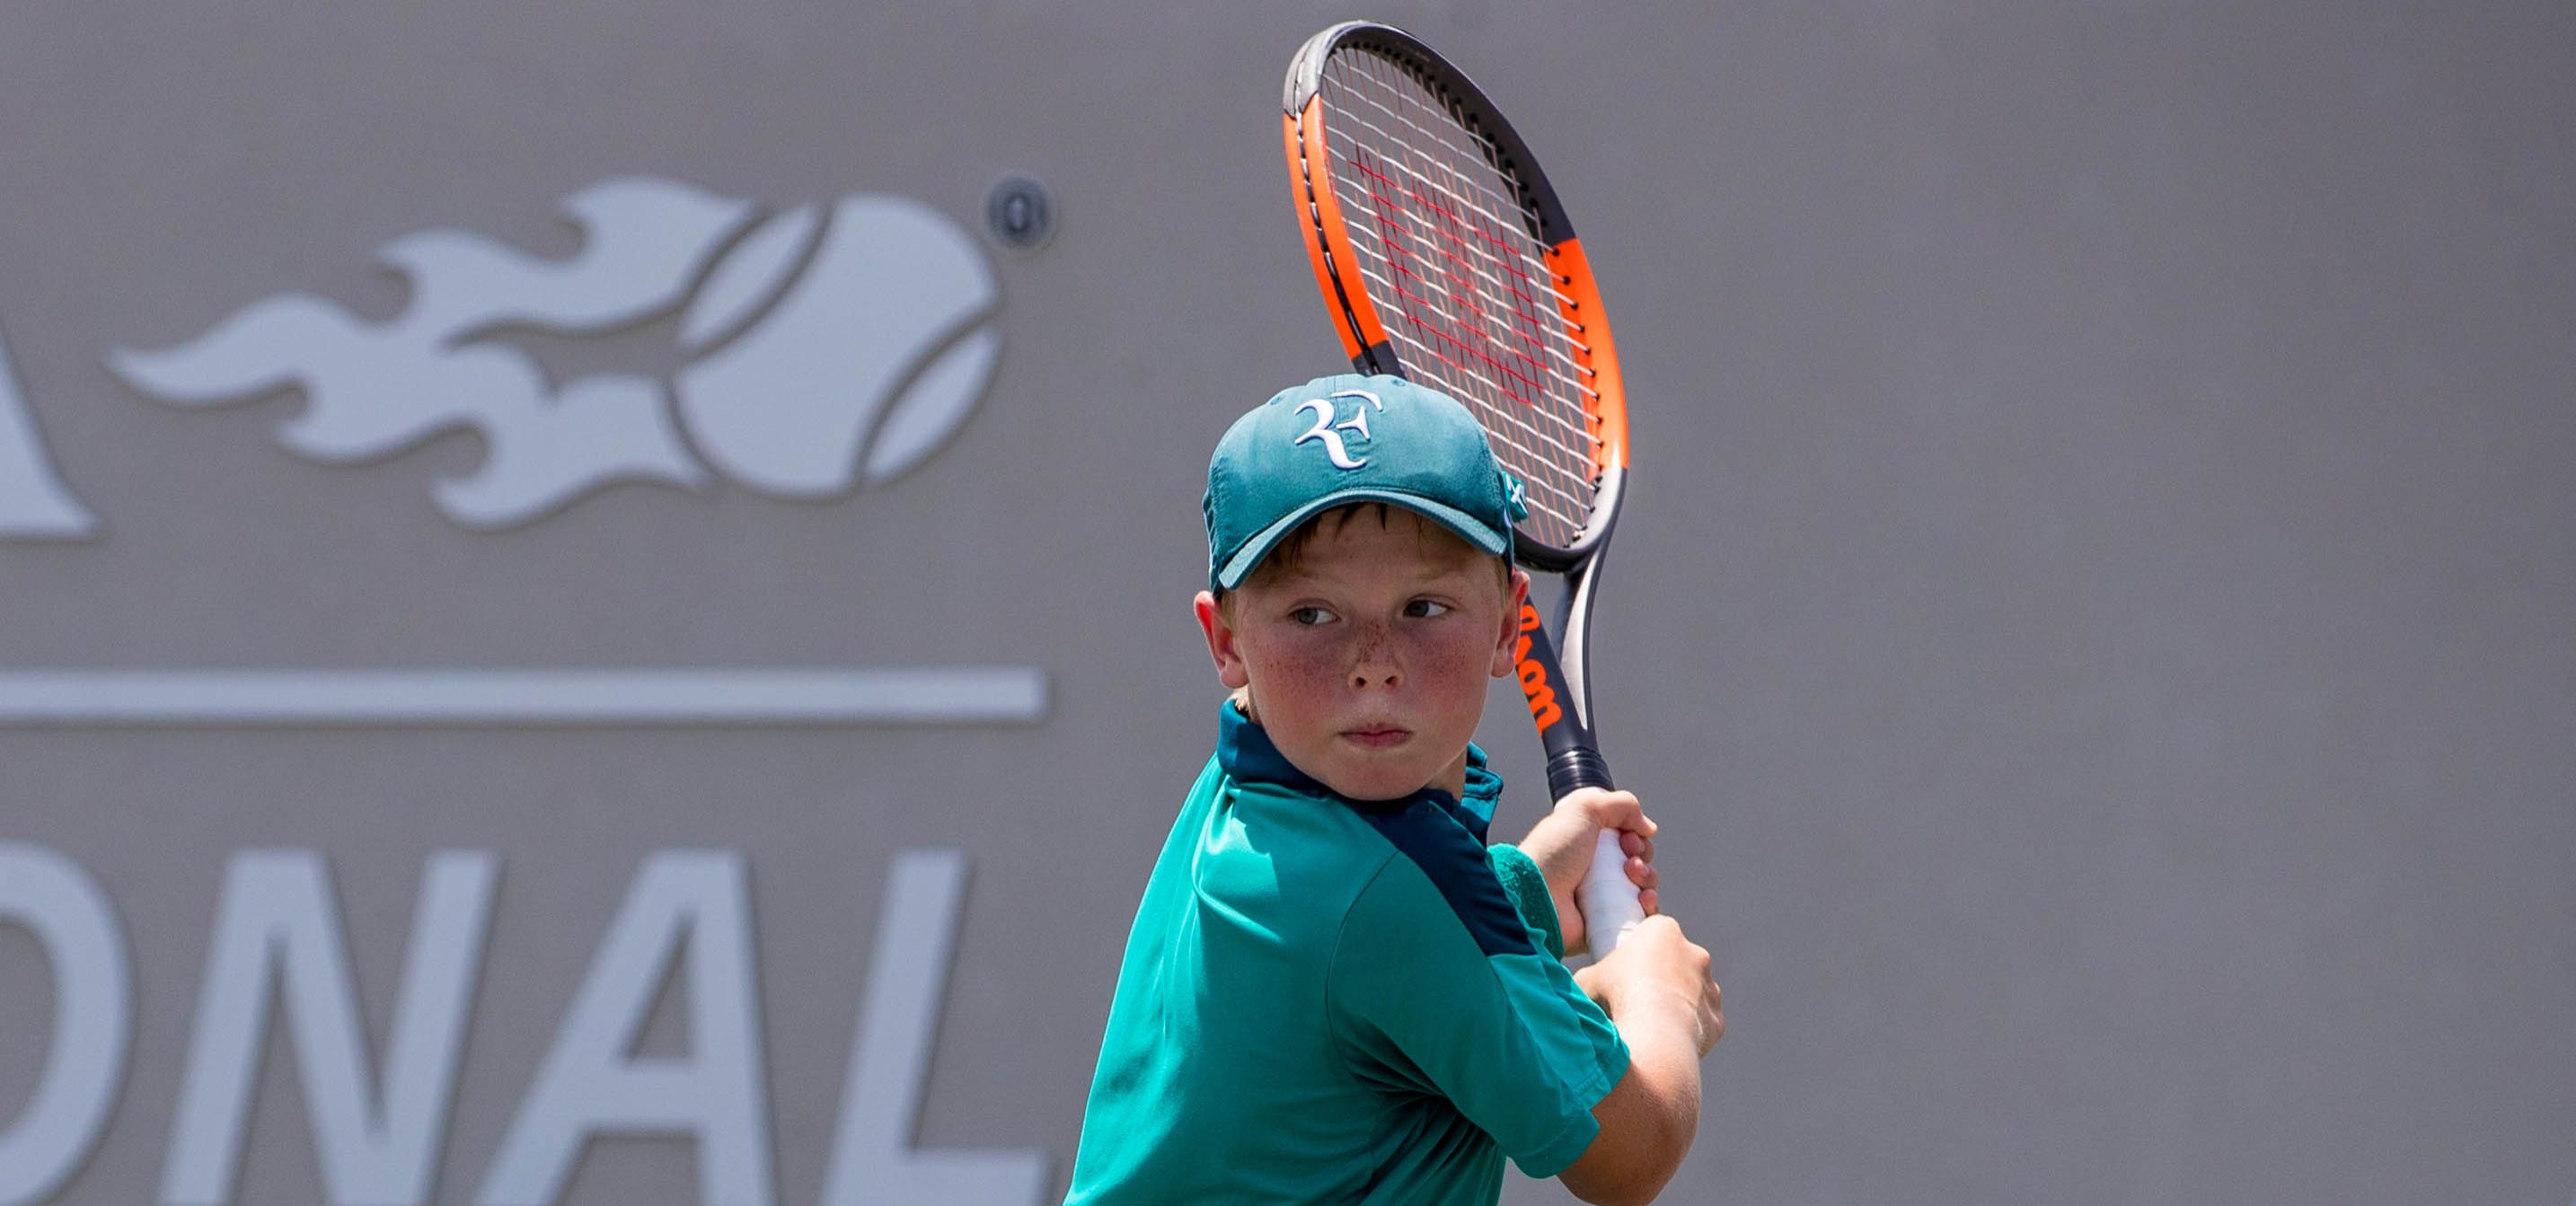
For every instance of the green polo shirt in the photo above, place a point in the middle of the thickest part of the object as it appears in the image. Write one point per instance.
(1329, 1000)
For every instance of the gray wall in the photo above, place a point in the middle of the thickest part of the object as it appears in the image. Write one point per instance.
(2094, 621)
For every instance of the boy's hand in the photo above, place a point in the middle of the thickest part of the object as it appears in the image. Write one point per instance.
(1562, 843)
(1658, 971)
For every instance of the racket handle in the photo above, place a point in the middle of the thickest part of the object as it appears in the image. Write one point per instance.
(1608, 900)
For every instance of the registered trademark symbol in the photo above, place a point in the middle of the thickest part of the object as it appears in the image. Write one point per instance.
(1019, 213)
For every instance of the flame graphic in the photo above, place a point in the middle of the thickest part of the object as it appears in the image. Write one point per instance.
(374, 389)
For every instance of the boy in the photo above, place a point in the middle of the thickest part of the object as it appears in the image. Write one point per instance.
(1334, 992)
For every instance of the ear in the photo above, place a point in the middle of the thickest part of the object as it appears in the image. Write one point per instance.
(1507, 648)
(1221, 642)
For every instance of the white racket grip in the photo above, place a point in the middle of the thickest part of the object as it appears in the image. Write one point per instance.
(1608, 900)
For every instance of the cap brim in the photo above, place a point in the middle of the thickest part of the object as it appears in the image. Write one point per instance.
(1231, 574)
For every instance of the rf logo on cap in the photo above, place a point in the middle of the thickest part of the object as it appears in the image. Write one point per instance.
(1329, 432)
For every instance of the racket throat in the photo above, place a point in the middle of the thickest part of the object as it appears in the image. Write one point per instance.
(1576, 767)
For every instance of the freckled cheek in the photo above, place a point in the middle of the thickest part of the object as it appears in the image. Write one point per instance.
(1307, 669)
(1316, 670)
(1446, 659)
(1317, 667)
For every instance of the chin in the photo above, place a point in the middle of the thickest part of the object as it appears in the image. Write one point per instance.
(1375, 783)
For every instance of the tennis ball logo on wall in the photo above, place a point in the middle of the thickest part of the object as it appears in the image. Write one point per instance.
(829, 346)
(34, 505)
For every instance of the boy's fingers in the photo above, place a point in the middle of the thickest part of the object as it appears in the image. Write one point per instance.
(1636, 845)
(1612, 809)
(1650, 901)
(1639, 823)
(1643, 874)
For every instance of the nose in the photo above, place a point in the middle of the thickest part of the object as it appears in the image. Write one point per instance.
(1375, 664)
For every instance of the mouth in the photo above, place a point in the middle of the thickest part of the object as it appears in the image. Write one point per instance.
(1377, 736)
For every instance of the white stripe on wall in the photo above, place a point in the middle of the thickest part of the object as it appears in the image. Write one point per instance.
(943, 695)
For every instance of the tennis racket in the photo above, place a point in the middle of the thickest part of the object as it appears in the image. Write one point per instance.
(1445, 258)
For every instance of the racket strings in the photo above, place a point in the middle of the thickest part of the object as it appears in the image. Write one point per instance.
(1518, 370)
(1559, 355)
(1456, 190)
(1459, 189)
(1492, 255)
(1448, 189)
(1447, 350)
(1451, 257)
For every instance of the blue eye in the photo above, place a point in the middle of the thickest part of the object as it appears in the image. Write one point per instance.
(1424, 609)
(1309, 616)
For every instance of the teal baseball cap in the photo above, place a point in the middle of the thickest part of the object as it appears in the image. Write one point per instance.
(1345, 439)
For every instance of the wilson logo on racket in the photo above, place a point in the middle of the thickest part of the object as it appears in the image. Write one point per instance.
(1329, 432)
(1534, 685)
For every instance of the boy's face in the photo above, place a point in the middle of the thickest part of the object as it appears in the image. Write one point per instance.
(1366, 657)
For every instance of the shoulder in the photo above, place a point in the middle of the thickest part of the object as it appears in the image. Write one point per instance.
(1289, 862)
(1438, 883)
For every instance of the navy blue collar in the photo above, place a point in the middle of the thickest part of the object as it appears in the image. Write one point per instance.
(1244, 751)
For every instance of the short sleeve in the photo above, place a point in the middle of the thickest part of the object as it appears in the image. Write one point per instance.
(1437, 986)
